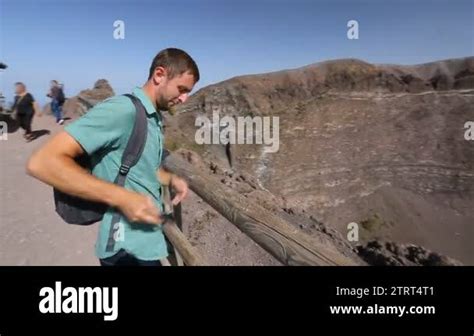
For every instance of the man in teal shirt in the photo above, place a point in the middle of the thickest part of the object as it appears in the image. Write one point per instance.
(103, 134)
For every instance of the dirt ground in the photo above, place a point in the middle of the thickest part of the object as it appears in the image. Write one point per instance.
(31, 233)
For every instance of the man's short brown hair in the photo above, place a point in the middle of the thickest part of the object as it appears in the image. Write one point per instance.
(176, 62)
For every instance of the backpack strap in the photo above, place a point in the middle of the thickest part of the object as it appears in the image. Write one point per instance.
(130, 157)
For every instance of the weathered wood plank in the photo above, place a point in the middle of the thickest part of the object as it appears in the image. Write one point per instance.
(283, 240)
(189, 254)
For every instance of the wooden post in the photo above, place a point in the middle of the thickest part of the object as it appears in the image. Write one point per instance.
(284, 241)
(167, 196)
(184, 247)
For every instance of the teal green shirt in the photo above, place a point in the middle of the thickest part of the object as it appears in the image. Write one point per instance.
(103, 132)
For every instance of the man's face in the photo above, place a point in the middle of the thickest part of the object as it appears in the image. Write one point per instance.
(174, 91)
(19, 89)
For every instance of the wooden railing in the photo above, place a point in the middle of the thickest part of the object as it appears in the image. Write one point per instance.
(283, 240)
(183, 252)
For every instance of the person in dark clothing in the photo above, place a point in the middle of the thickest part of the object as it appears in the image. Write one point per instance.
(24, 108)
(57, 96)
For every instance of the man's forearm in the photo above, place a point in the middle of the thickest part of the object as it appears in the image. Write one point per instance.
(66, 175)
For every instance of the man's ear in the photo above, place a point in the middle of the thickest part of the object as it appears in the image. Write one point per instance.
(158, 75)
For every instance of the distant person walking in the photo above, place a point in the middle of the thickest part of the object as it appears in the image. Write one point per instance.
(24, 108)
(56, 93)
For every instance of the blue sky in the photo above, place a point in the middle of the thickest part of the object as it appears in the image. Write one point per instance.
(72, 41)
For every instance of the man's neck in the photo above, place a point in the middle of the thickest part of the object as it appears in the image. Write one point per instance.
(148, 89)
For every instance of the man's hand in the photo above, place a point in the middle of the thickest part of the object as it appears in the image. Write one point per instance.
(139, 208)
(181, 188)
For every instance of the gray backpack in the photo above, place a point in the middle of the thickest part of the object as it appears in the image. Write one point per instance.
(74, 210)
